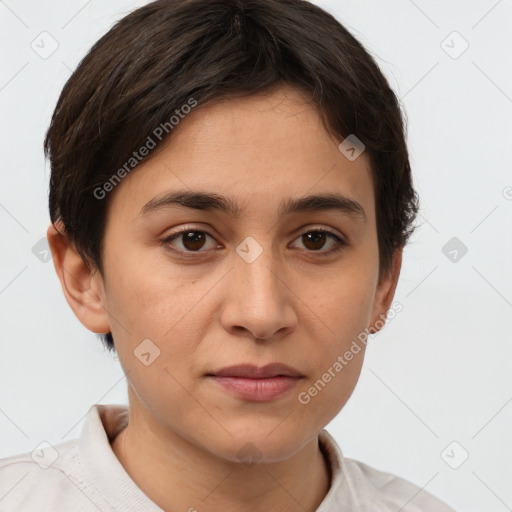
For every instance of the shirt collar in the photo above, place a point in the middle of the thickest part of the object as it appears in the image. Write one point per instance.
(102, 424)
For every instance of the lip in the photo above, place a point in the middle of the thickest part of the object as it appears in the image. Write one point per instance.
(257, 384)
(251, 371)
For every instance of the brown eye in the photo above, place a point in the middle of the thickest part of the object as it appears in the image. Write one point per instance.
(316, 239)
(192, 240)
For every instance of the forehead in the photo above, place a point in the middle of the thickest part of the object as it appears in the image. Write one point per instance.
(258, 151)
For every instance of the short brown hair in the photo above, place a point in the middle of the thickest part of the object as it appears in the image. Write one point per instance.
(156, 58)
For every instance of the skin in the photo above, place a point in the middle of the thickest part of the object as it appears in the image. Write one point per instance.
(215, 309)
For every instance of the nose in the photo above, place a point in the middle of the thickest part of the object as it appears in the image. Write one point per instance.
(259, 299)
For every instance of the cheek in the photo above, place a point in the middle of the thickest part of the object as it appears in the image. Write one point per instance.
(151, 301)
(168, 311)
(344, 302)
(321, 398)
(343, 311)
(163, 390)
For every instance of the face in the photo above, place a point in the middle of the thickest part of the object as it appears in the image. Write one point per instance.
(254, 284)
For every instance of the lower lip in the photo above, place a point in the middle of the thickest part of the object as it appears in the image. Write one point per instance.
(257, 390)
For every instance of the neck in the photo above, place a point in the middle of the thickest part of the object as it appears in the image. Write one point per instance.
(179, 475)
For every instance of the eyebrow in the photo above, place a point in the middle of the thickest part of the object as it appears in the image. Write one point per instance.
(214, 202)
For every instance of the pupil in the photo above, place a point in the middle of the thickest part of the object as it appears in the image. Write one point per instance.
(194, 239)
(315, 238)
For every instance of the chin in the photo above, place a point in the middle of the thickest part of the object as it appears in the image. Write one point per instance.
(258, 444)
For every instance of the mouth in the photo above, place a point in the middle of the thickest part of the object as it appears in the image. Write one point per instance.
(250, 371)
(257, 384)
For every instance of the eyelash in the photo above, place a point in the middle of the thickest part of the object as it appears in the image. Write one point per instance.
(340, 243)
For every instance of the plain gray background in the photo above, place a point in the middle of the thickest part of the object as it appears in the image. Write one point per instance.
(436, 383)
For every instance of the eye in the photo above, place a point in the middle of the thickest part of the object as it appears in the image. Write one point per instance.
(315, 239)
(192, 240)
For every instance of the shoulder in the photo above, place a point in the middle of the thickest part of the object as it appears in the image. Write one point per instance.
(358, 486)
(48, 478)
(388, 490)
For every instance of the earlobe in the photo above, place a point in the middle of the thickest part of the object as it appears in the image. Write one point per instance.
(385, 293)
(81, 285)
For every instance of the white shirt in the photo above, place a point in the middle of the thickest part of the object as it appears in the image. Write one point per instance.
(84, 475)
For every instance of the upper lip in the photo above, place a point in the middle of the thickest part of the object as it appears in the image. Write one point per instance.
(257, 372)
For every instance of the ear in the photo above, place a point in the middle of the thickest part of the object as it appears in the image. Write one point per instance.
(82, 286)
(385, 293)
